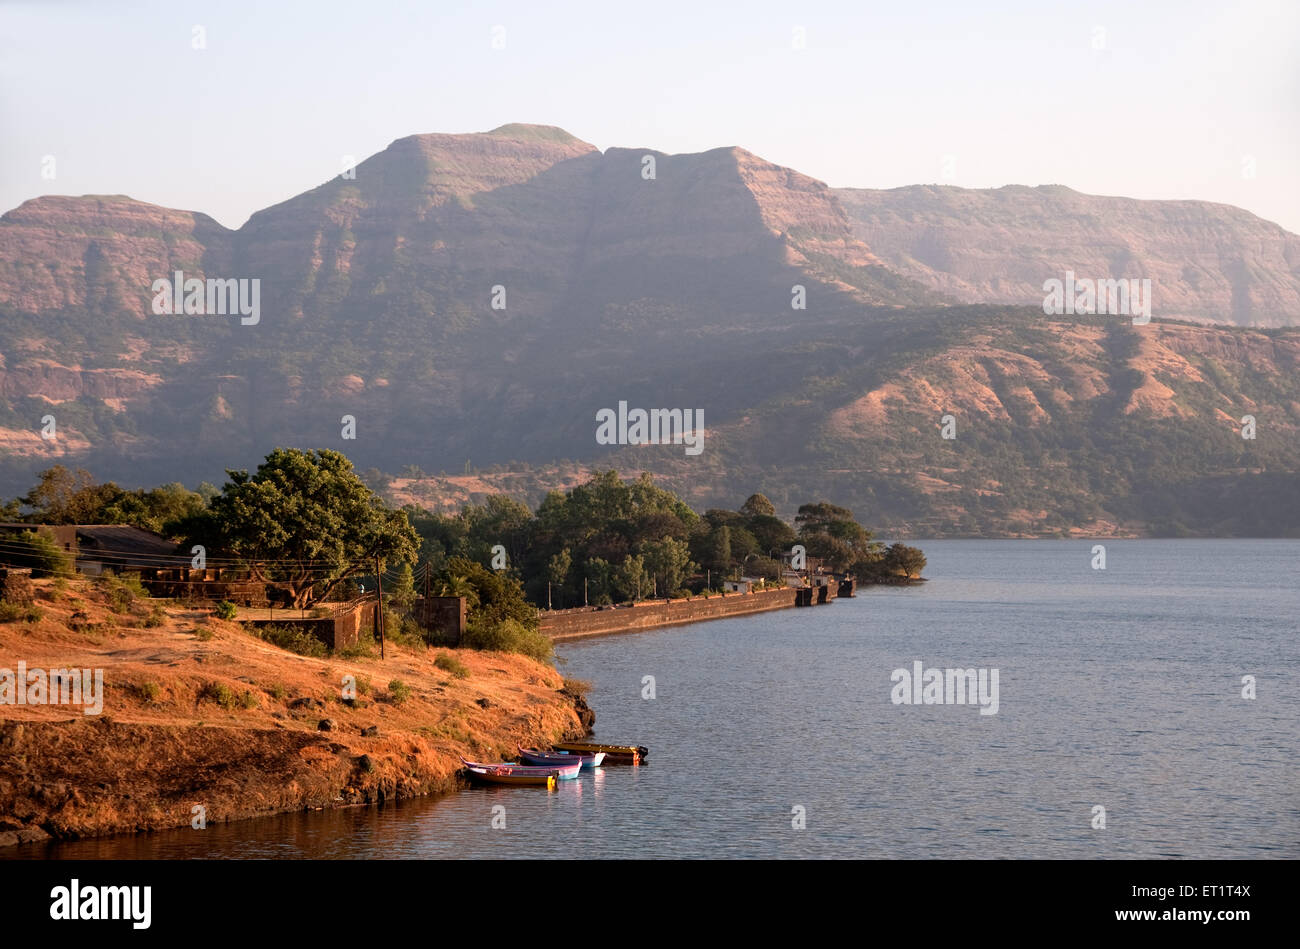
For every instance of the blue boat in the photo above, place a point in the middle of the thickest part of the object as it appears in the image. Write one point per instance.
(561, 758)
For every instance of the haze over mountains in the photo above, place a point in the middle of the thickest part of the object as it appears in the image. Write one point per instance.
(675, 290)
(1211, 263)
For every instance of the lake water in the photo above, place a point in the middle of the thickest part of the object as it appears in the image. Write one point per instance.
(1119, 688)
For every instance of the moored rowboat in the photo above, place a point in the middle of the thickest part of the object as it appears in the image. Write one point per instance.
(614, 754)
(563, 758)
(514, 773)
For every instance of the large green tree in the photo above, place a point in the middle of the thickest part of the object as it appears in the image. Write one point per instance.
(901, 557)
(305, 521)
(830, 533)
(668, 562)
(631, 581)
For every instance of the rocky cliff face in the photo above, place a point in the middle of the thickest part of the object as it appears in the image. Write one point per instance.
(101, 251)
(428, 227)
(1206, 262)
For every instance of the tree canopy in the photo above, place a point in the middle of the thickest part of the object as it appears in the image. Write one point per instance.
(75, 497)
(830, 533)
(306, 521)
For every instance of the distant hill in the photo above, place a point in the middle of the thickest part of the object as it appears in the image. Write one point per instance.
(674, 290)
(1207, 262)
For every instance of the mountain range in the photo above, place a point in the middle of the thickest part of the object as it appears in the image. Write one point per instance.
(474, 301)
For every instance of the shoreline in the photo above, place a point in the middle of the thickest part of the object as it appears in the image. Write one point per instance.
(586, 622)
(198, 713)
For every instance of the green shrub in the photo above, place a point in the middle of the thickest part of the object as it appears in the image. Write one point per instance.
(453, 665)
(149, 691)
(576, 687)
(508, 635)
(279, 692)
(398, 691)
(363, 648)
(121, 592)
(203, 634)
(402, 630)
(40, 552)
(155, 617)
(248, 700)
(226, 610)
(363, 685)
(220, 693)
(12, 612)
(293, 639)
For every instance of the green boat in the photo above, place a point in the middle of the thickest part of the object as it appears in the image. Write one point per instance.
(614, 754)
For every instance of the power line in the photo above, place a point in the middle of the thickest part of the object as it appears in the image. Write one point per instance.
(180, 559)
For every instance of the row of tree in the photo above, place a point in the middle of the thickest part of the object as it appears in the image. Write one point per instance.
(305, 521)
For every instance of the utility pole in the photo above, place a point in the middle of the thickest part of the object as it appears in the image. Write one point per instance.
(584, 591)
(379, 578)
(548, 596)
(427, 577)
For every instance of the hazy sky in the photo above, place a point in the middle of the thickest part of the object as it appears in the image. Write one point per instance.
(1179, 99)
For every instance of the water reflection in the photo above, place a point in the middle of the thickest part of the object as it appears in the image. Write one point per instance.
(1118, 688)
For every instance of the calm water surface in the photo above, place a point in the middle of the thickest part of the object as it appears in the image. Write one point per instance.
(1119, 688)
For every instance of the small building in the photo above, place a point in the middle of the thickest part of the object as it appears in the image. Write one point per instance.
(95, 548)
(64, 535)
(122, 548)
(743, 585)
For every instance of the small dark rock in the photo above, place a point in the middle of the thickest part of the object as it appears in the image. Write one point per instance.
(586, 715)
(32, 835)
(483, 703)
(8, 839)
(326, 725)
(305, 701)
(370, 731)
(366, 763)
